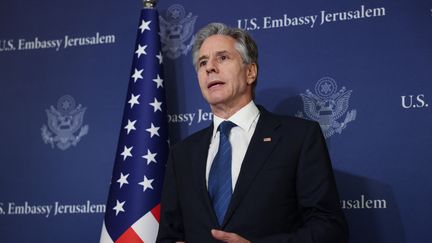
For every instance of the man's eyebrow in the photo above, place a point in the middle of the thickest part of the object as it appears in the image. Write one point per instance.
(222, 53)
(202, 57)
(218, 53)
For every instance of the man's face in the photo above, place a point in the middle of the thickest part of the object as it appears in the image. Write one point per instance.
(224, 79)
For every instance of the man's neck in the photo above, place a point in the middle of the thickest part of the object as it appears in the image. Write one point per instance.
(226, 111)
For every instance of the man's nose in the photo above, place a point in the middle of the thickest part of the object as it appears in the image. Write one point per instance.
(211, 66)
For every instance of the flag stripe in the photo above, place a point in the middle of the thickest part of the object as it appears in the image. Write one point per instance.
(147, 227)
(156, 212)
(130, 236)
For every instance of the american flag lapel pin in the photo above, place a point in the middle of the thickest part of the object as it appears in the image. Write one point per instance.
(267, 139)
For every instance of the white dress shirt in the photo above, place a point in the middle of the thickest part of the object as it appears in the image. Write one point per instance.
(246, 120)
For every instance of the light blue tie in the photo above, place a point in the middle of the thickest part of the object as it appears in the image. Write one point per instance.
(220, 182)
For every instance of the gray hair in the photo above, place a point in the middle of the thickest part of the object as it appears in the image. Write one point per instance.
(245, 45)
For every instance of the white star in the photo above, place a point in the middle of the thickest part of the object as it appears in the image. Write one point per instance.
(156, 105)
(141, 50)
(160, 57)
(134, 100)
(130, 126)
(150, 157)
(126, 152)
(146, 183)
(119, 207)
(137, 74)
(153, 130)
(144, 25)
(158, 81)
(123, 179)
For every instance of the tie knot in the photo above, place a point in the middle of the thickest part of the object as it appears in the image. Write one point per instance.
(225, 127)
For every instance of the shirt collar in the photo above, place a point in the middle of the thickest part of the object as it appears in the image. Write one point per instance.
(242, 118)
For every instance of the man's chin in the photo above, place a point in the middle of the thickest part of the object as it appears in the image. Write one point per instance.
(215, 100)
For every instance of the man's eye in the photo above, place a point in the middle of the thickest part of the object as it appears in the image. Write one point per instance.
(222, 58)
(202, 63)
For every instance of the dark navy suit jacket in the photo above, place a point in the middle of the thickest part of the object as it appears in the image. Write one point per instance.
(285, 192)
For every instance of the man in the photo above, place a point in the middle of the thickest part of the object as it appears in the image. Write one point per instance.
(252, 176)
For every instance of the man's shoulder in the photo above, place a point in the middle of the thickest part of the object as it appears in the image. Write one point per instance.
(194, 139)
(293, 128)
(288, 120)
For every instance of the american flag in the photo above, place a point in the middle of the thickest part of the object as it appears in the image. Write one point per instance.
(132, 210)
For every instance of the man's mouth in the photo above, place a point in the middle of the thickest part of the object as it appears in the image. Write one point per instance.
(213, 84)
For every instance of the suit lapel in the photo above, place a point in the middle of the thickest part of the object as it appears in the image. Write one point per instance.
(256, 155)
(200, 163)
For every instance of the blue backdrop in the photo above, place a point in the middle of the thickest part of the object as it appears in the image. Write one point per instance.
(361, 68)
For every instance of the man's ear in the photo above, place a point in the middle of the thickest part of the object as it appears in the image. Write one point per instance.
(252, 73)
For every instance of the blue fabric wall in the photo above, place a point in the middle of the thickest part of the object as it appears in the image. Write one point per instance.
(361, 68)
